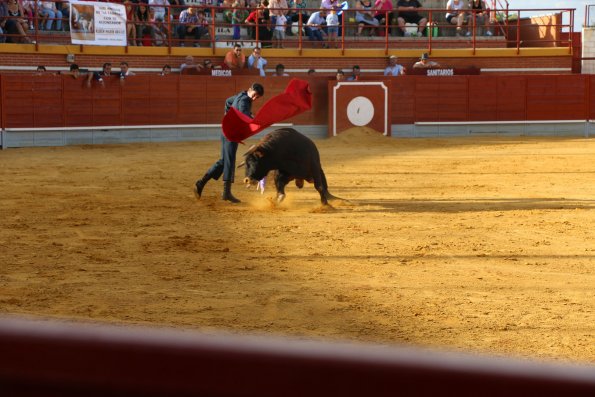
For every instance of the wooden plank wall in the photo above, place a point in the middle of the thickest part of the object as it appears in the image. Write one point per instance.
(55, 101)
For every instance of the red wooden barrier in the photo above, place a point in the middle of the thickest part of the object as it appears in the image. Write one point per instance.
(54, 101)
(44, 358)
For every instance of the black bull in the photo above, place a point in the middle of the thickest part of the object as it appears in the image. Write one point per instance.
(292, 156)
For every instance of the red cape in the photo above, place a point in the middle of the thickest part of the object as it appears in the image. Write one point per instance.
(296, 99)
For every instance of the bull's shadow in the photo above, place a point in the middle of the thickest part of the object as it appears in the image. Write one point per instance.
(464, 205)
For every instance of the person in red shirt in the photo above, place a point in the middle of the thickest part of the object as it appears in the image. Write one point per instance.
(235, 59)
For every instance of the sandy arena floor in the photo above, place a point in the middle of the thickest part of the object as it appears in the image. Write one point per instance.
(483, 245)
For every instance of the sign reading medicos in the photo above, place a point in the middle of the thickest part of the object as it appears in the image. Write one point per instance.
(97, 23)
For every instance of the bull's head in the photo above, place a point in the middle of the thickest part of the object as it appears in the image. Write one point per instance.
(256, 164)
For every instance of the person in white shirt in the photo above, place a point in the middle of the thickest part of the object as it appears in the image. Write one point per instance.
(332, 27)
(394, 69)
(457, 15)
(158, 9)
(279, 32)
(256, 61)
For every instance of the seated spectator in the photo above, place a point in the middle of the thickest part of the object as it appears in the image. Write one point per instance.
(19, 25)
(364, 16)
(157, 9)
(394, 69)
(177, 6)
(311, 72)
(425, 63)
(50, 13)
(256, 61)
(340, 75)
(190, 66)
(482, 16)
(315, 26)
(238, 16)
(130, 27)
(192, 22)
(41, 69)
(355, 73)
(457, 15)
(64, 7)
(142, 19)
(384, 14)
(408, 14)
(227, 6)
(160, 33)
(280, 70)
(165, 70)
(235, 59)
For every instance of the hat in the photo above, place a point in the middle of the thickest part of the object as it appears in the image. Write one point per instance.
(392, 57)
(424, 56)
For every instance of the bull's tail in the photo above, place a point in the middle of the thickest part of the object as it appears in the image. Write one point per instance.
(326, 193)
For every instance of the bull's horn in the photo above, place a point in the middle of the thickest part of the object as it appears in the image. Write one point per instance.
(243, 163)
(252, 149)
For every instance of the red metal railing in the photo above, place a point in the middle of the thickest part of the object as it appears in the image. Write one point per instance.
(502, 20)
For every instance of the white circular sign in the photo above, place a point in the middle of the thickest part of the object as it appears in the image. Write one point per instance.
(360, 111)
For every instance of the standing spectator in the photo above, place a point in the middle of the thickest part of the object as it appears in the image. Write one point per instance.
(176, 9)
(384, 13)
(158, 8)
(280, 70)
(329, 5)
(276, 8)
(226, 164)
(482, 16)
(355, 73)
(235, 59)
(364, 16)
(166, 70)
(425, 63)
(408, 14)
(298, 8)
(457, 15)
(192, 22)
(238, 16)
(394, 69)
(19, 25)
(50, 13)
(160, 33)
(190, 66)
(332, 27)
(279, 32)
(315, 25)
(260, 16)
(256, 61)
(142, 19)
(40, 69)
(311, 72)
